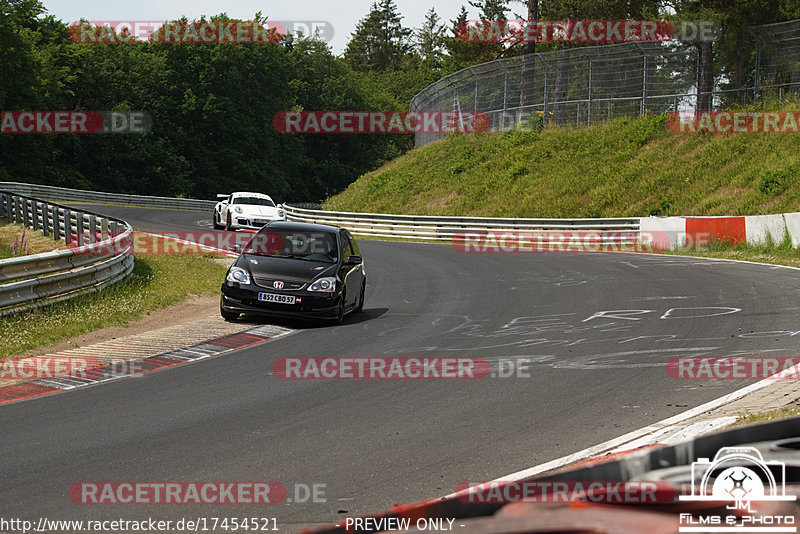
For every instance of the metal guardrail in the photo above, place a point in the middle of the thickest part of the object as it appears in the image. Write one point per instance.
(103, 254)
(63, 194)
(440, 228)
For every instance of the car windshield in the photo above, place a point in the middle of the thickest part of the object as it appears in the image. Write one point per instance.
(308, 246)
(254, 201)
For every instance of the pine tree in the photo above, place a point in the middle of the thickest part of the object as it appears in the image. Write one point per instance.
(430, 40)
(380, 41)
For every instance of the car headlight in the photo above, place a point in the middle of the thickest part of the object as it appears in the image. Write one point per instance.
(327, 284)
(237, 274)
(281, 214)
(238, 209)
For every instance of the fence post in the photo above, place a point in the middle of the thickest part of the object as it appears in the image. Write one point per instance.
(591, 89)
(757, 74)
(474, 100)
(645, 57)
(546, 82)
(505, 96)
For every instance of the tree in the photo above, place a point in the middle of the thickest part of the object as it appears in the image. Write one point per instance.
(430, 41)
(380, 41)
(491, 9)
(463, 52)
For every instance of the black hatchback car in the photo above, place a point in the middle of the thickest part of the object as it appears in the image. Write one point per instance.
(289, 269)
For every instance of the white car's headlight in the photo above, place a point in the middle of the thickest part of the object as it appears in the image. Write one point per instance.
(238, 209)
(327, 284)
(237, 274)
(281, 214)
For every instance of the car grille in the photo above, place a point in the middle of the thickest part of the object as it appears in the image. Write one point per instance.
(290, 286)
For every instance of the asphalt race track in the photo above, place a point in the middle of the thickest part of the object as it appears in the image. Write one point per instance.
(597, 328)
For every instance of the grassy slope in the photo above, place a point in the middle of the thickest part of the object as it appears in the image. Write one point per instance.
(627, 167)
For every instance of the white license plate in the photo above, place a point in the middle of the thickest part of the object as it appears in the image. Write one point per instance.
(260, 221)
(274, 297)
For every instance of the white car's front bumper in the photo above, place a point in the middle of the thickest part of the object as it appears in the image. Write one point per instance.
(251, 222)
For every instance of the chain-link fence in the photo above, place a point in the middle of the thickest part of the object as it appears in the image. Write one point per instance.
(777, 58)
(588, 84)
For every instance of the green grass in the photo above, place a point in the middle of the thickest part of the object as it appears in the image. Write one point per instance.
(767, 252)
(157, 281)
(623, 168)
(34, 243)
(767, 416)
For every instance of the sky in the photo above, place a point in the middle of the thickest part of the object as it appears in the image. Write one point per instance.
(343, 15)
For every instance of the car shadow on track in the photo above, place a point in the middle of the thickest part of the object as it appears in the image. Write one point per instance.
(299, 324)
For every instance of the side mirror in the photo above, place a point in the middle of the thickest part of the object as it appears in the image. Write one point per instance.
(354, 260)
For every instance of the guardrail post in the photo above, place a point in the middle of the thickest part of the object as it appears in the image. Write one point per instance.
(103, 229)
(79, 227)
(67, 224)
(45, 220)
(3, 198)
(92, 228)
(25, 212)
(35, 214)
(56, 223)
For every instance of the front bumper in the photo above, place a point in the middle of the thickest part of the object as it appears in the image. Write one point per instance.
(251, 223)
(244, 299)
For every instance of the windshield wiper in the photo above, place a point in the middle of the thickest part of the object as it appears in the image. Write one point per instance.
(256, 253)
(304, 258)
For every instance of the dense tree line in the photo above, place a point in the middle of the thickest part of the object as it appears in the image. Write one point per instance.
(212, 104)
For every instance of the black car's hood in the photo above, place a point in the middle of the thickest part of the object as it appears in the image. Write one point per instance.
(288, 269)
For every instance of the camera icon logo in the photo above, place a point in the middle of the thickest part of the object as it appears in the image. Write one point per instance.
(739, 474)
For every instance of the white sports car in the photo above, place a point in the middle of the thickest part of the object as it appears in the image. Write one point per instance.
(246, 210)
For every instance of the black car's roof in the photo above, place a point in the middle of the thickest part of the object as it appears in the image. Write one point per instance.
(301, 226)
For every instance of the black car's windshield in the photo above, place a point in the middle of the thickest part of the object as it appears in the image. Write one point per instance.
(308, 246)
(254, 201)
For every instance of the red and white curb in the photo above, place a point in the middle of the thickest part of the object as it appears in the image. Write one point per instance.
(127, 369)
